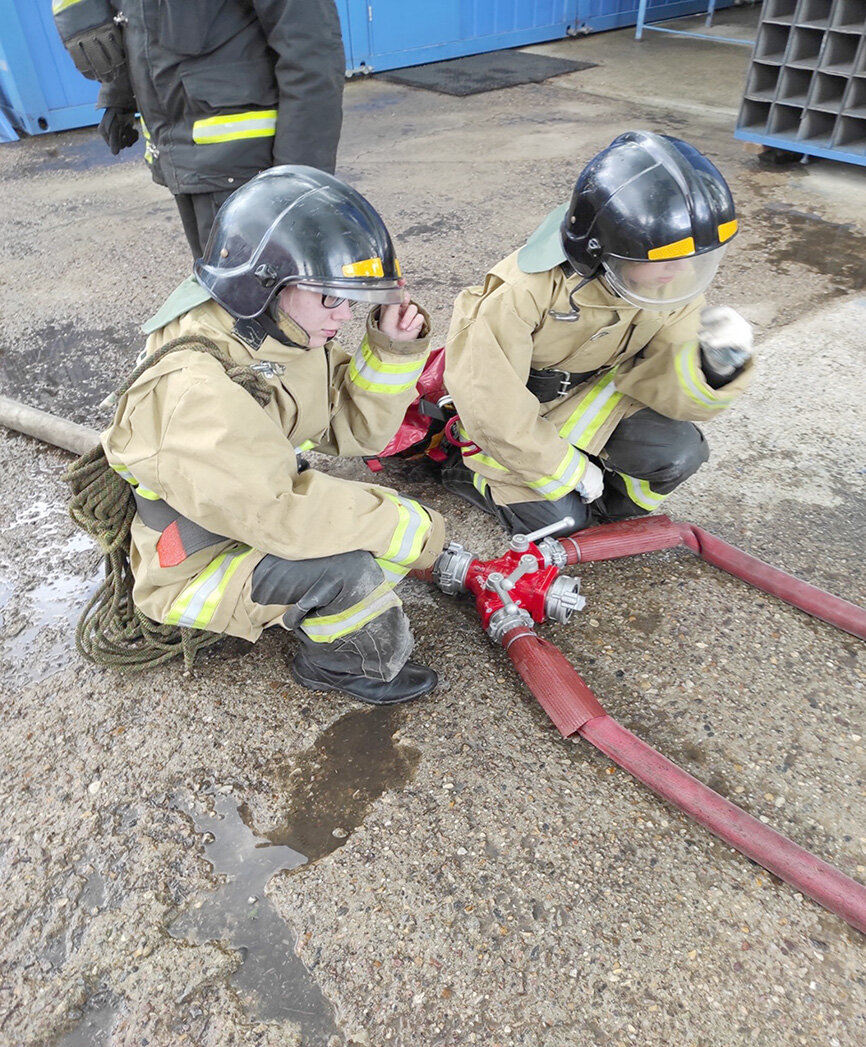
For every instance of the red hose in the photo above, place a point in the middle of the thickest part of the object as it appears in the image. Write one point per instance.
(832, 609)
(572, 706)
(649, 533)
(776, 853)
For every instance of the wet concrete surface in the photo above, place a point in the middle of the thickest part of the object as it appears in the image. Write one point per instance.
(451, 872)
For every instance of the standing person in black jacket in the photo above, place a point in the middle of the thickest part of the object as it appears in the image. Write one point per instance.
(224, 88)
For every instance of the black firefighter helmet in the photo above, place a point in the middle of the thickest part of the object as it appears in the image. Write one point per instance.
(649, 198)
(297, 225)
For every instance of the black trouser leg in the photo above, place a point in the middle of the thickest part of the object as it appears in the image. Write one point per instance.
(647, 457)
(329, 603)
(197, 212)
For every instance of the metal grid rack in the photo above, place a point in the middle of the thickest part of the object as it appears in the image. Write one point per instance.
(806, 85)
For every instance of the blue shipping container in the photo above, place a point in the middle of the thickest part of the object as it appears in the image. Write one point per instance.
(41, 90)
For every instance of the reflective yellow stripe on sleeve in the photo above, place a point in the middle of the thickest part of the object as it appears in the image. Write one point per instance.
(257, 123)
(564, 479)
(144, 492)
(394, 572)
(413, 523)
(692, 381)
(591, 412)
(479, 456)
(373, 374)
(197, 604)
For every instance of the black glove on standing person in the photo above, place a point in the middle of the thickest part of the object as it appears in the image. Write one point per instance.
(117, 127)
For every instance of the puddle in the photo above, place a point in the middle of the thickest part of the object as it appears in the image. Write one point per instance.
(93, 1029)
(75, 150)
(329, 789)
(831, 249)
(52, 607)
(273, 983)
(328, 792)
(66, 369)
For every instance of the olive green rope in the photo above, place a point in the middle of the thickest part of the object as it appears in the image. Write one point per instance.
(112, 631)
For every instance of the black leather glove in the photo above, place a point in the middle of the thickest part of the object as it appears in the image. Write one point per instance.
(117, 127)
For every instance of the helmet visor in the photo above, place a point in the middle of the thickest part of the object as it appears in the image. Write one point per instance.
(379, 292)
(664, 285)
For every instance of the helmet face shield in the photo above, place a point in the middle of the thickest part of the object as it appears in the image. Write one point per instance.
(379, 292)
(295, 225)
(664, 285)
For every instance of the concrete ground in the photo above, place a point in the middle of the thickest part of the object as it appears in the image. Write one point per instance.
(225, 858)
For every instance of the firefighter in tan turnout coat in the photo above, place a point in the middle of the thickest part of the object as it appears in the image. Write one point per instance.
(581, 364)
(229, 534)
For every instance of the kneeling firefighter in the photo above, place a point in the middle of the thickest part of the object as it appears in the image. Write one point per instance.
(229, 535)
(579, 368)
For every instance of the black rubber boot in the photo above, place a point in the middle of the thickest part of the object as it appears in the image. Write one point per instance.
(412, 681)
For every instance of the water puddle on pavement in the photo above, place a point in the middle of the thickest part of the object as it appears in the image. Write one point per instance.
(329, 788)
(831, 248)
(93, 1028)
(327, 793)
(37, 622)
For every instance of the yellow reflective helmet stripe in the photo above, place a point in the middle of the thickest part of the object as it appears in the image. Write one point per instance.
(196, 605)
(591, 412)
(366, 267)
(727, 230)
(641, 493)
(257, 123)
(692, 381)
(369, 372)
(413, 524)
(329, 627)
(678, 249)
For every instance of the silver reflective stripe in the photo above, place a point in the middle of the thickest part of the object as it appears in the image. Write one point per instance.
(330, 627)
(412, 526)
(641, 493)
(196, 605)
(371, 373)
(592, 410)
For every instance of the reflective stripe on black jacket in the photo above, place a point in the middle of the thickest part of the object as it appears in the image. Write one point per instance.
(227, 88)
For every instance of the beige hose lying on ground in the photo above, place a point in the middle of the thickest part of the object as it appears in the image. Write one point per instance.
(46, 427)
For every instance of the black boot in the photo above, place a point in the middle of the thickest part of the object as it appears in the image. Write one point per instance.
(412, 681)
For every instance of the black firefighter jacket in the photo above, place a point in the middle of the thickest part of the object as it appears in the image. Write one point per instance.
(228, 88)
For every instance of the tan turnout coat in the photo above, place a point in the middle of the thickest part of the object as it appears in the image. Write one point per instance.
(639, 358)
(187, 434)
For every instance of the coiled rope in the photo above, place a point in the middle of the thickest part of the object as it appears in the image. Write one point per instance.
(112, 631)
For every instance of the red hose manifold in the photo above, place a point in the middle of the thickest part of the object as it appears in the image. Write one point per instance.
(514, 590)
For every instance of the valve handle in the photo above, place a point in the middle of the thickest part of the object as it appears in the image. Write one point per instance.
(500, 585)
(525, 565)
(520, 542)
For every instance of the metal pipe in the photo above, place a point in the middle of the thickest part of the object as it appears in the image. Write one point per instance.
(46, 427)
(573, 708)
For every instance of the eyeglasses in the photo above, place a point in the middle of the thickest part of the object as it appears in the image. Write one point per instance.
(330, 301)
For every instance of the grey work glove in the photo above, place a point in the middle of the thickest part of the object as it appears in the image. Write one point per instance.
(726, 343)
(591, 485)
(117, 127)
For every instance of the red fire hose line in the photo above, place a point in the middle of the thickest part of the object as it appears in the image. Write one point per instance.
(573, 707)
(651, 533)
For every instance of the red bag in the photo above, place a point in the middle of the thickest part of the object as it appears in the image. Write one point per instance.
(424, 419)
